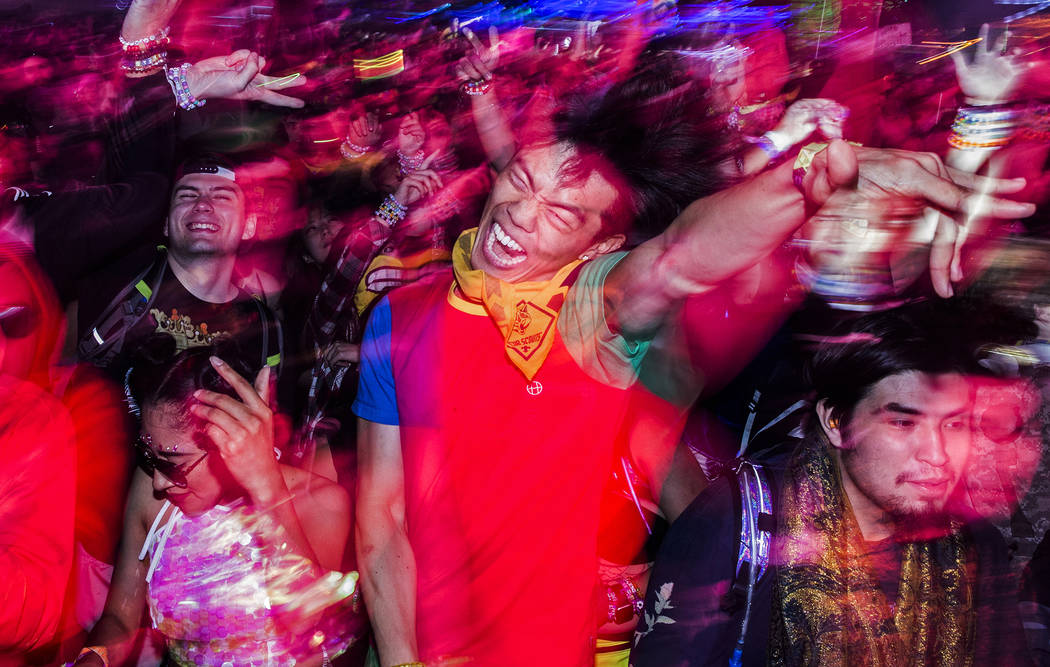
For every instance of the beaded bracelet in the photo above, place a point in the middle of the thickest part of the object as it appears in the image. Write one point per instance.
(391, 211)
(352, 151)
(163, 34)
(476, 88)
(961, 143)
(409, 163)
(145, 65)
(987, 114)
(773, 143)
(354, 147)
(983, 127)
(181, 88)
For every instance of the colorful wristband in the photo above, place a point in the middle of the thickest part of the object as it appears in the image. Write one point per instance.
(391, 211)
(181, 88)
(476, 88)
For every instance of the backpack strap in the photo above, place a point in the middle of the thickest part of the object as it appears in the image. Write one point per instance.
(756, 536)
(105, 339)
(265, 318)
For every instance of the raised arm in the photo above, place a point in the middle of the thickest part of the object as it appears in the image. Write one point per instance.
(475, 70)
(384, 554)
(988, 80)
(719, 236)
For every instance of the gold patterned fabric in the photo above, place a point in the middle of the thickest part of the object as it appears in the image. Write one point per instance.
(828, 607)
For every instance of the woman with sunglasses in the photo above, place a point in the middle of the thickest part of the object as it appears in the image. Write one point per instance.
(222, 543)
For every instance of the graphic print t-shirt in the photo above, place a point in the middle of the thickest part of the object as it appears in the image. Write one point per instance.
(192, 322)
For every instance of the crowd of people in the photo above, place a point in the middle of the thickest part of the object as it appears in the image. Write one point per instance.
(415, 334)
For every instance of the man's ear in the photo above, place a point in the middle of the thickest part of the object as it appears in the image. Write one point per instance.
(249, 227)
(167, 221)
(605, 246)
(830, 425)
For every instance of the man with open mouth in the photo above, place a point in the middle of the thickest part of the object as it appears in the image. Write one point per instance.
(188, 292)
(492, 397)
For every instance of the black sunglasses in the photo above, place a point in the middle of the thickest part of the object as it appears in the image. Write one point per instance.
(175, 472)
(17, 321)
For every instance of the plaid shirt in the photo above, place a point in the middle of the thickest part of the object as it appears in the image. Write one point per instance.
(334, 317)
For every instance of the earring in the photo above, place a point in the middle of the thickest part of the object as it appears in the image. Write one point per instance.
(585, 257)
(833, 422)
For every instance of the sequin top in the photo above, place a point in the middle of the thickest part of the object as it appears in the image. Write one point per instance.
(224, 589)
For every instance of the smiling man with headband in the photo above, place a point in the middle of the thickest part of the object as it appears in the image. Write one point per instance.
(188, 292)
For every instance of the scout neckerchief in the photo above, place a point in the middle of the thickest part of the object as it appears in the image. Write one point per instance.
(526, 313)
(827, 610)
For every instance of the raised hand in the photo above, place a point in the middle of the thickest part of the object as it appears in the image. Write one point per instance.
(420, 183)
(993, 75)
(243, 431)
(410, 134)
(238, 77)
(806, 116)
(905, 183)
(481, 61)
(365, 130)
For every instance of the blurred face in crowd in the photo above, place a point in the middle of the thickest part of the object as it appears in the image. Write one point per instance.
(319, 135)
(903, 449)
(207, 216)
(321, 229)
(540, 216)
(272, 198)
(176, 446)
(36, 70)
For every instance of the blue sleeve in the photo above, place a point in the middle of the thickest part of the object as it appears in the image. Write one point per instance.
(376, 399)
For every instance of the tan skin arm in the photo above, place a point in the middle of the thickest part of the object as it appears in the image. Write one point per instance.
(497, 139)
(119, 625)
(718, 237)
(384, 554)
(323, 510)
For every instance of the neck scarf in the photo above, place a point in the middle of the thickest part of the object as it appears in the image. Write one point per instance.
(828, 610)
(526, 313)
